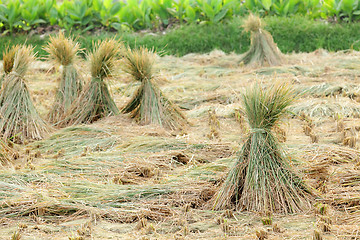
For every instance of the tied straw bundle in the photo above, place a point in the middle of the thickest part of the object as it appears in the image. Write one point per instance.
(262, 50)
(95, 101)
(63, 52)
(261, 178)
(149, 105)
(19, 118)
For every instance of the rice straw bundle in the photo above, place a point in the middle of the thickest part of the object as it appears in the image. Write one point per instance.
(149, 105)
(95, 101)
(8, 61)
(63, 52)
(262, 50)
(261, 178)
(19, 118)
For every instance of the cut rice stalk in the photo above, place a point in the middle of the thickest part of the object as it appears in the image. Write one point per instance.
(149, 105)
(95, 101)
(261, 179)
(6, 154)
(63, 51)
(20, 120)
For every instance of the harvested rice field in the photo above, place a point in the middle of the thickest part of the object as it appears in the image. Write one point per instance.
(116, 179)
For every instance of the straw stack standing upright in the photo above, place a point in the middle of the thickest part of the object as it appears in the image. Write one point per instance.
(261, 179)
(149, 105)
(263, 50)
(95, 101)
(63, 53)
(19, 119)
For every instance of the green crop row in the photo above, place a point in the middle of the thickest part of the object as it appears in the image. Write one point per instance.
(85, 15)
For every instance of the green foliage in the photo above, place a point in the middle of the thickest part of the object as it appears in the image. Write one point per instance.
(10, 15)
(85, 15)
(294, 34)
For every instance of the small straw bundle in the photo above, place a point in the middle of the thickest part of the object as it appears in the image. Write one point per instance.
(261, 178)
(63, 51)
(149, 105)
(19, 118)
(262, 50)
(8, 61)
(95, 101)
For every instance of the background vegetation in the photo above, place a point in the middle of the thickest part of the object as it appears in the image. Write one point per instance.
(297, 34)
(85, 15)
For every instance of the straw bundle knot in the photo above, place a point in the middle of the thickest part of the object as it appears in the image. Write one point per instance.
(252, 24)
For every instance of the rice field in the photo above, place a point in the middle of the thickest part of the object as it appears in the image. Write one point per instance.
(116, 179)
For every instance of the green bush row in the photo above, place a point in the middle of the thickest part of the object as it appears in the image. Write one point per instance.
(85, 15)
(292, 34)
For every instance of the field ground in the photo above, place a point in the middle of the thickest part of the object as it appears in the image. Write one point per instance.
(115, 179)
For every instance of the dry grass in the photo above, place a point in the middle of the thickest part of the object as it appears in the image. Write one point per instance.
(70, 183)
(7, 154)
(327, 107)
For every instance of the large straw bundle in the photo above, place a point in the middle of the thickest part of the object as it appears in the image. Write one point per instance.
(63, 52)
(19, 118)
(8, 61)
(95, 101)
(262, 50)
(261, 178)
(149, 105)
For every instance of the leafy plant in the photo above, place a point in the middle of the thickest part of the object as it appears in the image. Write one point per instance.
(286, 7)
(10, 15)
(108, 12)
(136, 15)
(160, 10)
(213, 10)
(348, 8)
(33, 12)
(77, 14)
(332, 7)
(178, 9)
